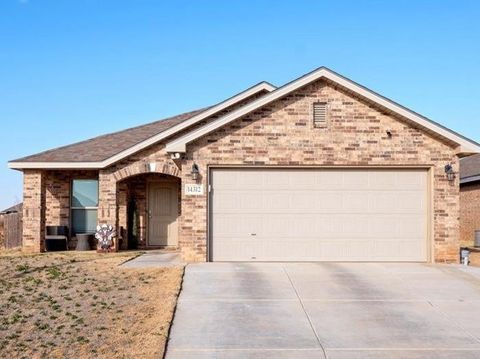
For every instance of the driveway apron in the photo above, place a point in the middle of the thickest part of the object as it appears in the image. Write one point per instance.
(327, 310)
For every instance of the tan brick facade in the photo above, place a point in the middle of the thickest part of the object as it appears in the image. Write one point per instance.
(469, 213)
(33, 210)
(47, 203)
(282, 134)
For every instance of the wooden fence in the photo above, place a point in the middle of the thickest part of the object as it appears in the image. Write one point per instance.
(12, 229)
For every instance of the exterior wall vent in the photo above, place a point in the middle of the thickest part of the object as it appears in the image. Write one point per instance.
(319, 114)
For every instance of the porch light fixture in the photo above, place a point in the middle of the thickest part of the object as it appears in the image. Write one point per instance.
(195, 172)
(449, 172)
(152, 166)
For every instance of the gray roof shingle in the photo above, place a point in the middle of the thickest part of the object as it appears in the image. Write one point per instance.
(102, 147)
(16, 208)
(469, 167)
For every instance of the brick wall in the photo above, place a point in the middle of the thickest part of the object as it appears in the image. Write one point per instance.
(2, 232)
(47, 203)
(33, 210)
(283, 134)
(469, 213)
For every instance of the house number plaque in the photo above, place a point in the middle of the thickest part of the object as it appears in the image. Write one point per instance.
(193, 189)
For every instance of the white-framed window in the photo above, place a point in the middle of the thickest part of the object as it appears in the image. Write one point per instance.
(84, 205)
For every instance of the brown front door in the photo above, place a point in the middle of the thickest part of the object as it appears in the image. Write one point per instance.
(162, 214)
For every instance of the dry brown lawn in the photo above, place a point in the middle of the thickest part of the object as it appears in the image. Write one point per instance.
(82, 305)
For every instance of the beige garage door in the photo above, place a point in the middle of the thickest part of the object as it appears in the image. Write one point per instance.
(318, 215)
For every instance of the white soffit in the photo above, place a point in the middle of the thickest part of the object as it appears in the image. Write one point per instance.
(464, 144)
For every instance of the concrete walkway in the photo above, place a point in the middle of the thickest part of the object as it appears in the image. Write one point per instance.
(155, 259)
(333, 310)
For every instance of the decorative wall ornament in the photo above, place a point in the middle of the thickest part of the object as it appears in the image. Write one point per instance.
(105, 236)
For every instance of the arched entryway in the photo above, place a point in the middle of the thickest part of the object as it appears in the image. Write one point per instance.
(148, 210)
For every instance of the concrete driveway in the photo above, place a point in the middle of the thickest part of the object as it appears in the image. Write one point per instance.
(333, 310)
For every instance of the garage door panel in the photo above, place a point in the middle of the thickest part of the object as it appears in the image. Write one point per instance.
(325, 215)
(249, 201)
(416, 227)
(234, 248)
(276, 226)
(230, 225)
(226, 201)
(250, 180)
(406, 250)
(393, 226)
(398, 202)
(276, 201)
(280, 181)
(382, 202)
(358, 202)
(327, 201)
(299, 180)
(411, 201)
(383, 180)
(355, 180)
(354, 226)
(384, 226)
(328, 180)
(301, 201)
(323, 225)
(410, 180)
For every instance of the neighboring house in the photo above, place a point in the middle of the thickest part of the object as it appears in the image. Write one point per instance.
(320, 169)
(13, 209)
(469, 199)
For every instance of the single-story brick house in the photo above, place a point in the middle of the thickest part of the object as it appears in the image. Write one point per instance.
(469, 199)
(319, 169)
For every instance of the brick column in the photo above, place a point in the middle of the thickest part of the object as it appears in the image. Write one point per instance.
(122, 204)
(107, 199)
(33, 210)
(193, 220)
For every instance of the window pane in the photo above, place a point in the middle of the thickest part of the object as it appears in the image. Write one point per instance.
(84, 220)
(85, 193)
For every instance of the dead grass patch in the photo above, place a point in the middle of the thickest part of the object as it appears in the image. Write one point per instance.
(74, 304)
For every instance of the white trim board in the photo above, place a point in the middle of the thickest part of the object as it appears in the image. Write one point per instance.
(54, 165)
(466, 145)
(262, 86)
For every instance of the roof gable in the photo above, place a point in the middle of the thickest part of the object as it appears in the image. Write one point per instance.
(465, 145)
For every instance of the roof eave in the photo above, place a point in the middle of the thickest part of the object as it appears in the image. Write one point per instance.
(262, 86)
(470, 179)
(54, 165)
(467, 146)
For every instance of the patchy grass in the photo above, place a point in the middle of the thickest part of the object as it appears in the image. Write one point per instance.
(81, 304)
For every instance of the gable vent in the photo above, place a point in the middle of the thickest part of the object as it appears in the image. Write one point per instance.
(320, 114)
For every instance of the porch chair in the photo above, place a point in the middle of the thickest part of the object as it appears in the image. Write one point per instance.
(56, 238)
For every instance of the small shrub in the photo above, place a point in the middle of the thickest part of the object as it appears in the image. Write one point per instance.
(15, 317)
(22, 268)
(54, 272)
(82, 340)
